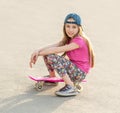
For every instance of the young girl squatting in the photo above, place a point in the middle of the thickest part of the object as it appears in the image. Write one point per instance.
(80, 57)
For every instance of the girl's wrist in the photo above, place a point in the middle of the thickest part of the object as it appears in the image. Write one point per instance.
(39, 51)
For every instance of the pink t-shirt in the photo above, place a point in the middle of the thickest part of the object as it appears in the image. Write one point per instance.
(80, 56)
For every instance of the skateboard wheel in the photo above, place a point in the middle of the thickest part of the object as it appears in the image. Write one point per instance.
(39, 86)
(78, 87)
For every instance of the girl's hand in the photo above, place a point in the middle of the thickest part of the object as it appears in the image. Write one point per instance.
(34, 58)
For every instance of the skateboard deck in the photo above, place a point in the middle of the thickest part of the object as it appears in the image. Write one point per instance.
(47, 79)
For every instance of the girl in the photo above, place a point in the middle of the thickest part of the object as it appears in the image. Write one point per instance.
(76, 47)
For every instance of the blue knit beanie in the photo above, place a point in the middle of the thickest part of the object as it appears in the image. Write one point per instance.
(75, 17)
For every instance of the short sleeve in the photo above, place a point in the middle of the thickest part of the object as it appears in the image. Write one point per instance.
(78, 41)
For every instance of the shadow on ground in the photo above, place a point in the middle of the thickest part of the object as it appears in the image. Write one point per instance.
(32, 102)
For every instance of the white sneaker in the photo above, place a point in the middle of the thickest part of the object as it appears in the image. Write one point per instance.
(67, 90)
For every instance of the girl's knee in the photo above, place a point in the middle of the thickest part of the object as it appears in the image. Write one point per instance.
(51, 58)
(48, 56)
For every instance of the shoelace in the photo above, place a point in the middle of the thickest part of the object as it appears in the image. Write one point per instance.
(65, 88)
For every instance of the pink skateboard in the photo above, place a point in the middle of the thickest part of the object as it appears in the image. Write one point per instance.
(41, 80)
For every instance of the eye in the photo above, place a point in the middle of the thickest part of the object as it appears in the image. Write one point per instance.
(67, 26)
(74, 27)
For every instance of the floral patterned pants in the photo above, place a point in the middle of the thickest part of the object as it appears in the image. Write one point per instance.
(64, 66)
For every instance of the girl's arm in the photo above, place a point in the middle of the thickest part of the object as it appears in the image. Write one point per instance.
(58, 49)
(53, 45)
(36, 53)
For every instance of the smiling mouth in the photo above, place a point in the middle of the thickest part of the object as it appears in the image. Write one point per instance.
(70, 33)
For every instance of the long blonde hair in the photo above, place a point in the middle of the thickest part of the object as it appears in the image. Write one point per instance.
(66, 40)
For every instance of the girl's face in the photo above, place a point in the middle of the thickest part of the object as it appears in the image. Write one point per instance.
(71, 29)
